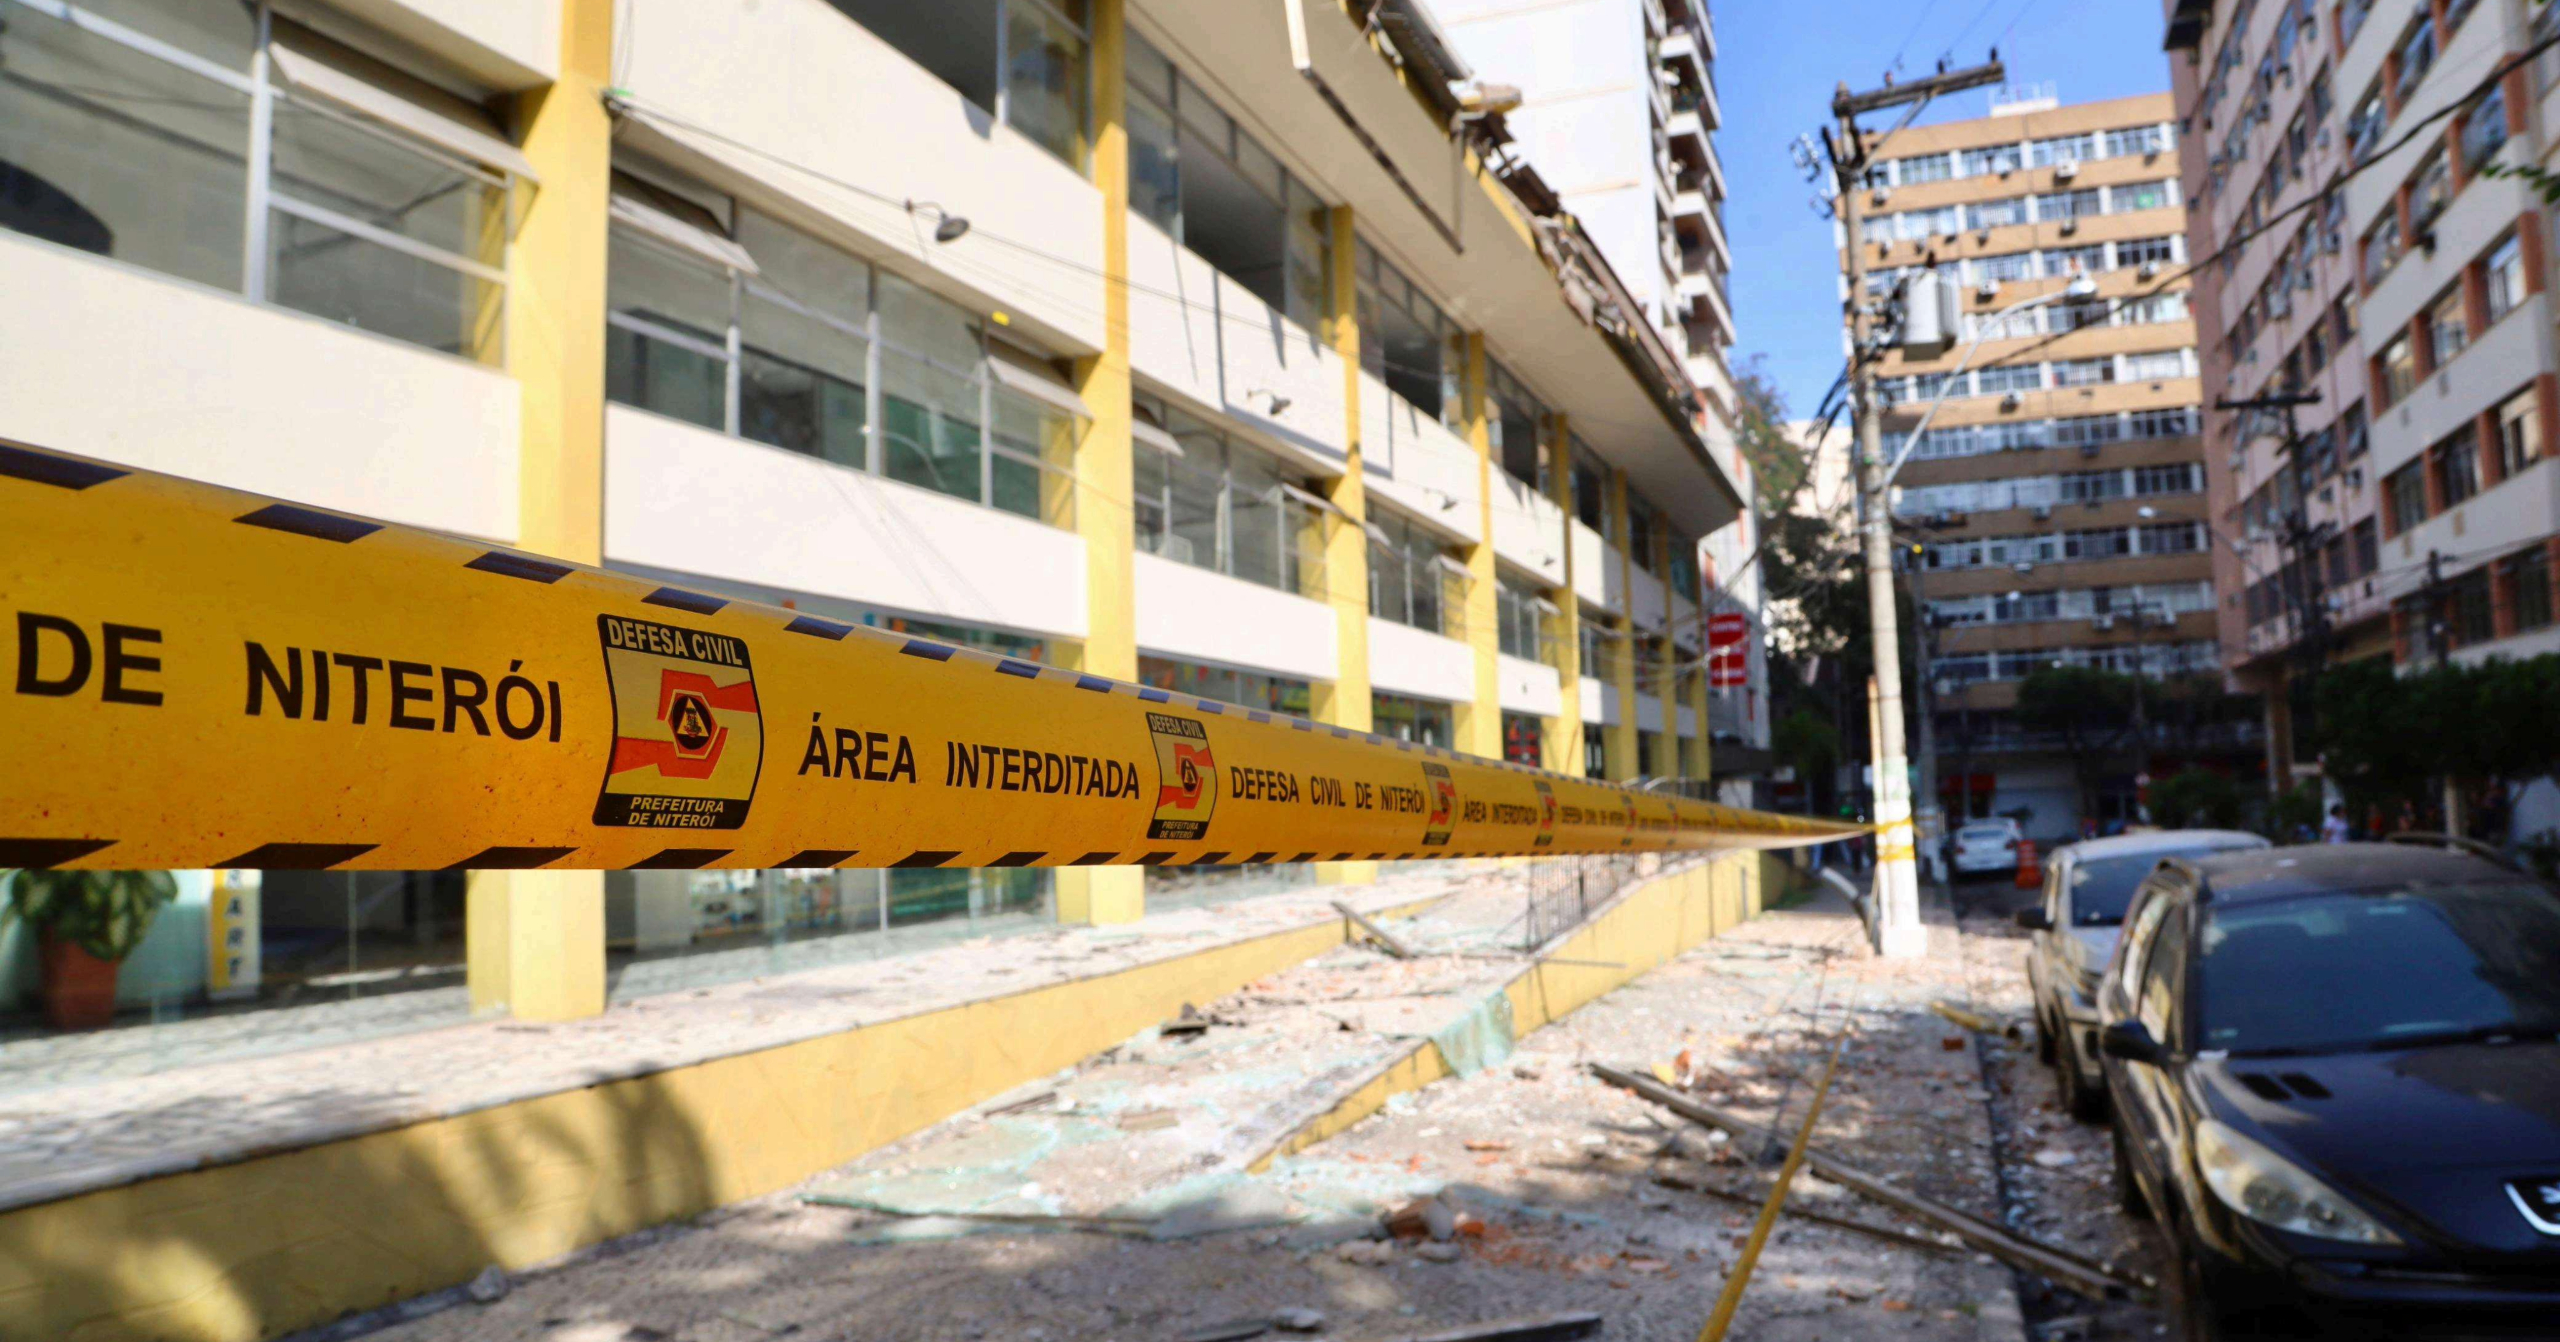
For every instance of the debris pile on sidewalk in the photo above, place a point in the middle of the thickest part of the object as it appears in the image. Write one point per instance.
(1530, 1195)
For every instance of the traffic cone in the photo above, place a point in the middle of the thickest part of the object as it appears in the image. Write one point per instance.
(2030, 871)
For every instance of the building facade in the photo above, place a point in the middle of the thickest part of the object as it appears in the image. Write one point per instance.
(2053, 506)
(2364, 258)
(1107, 333)
(1618, 113)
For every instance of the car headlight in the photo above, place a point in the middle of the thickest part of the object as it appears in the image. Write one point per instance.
(2267, 1188)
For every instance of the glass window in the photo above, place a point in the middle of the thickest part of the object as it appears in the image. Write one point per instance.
(1408, 581)
(2083, 372)
(1031, 462)
(2399, 370)
(929, 424)
(2427, 963)
(1520, 613)
(1045, 73)
(1405, 342)
(2430, 191)
(2405, 496)
(1591, 490)
(1420, 721)
(1923, 168)
(107, 150)
(804, 328)
(2381, 248)
(2140, 196)
(2364, 127)
(667, 332)
(2417, 53)
(2484, 128)
(1224, 506)
(2447, 328)
(2530, 573)
(1155, 155)
(2505, 274)
(2519, 433)
(2458, 465)
(1990, 159)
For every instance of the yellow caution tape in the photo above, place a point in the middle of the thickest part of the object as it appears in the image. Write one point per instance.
(206, 678)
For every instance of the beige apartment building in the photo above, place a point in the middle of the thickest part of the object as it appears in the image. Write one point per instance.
(2411, 511)
(2054, 507)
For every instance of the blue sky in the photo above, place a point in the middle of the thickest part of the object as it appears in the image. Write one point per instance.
(1778, 61)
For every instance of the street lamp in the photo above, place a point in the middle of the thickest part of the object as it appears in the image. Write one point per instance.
(1897, 890)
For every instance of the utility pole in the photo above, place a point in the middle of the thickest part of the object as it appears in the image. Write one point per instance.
(2297, 537)
(1897, 889)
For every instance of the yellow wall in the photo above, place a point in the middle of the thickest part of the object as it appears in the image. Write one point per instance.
(1345, 702)
(535, 939)
(298, 1238)
(1478, 725)
(1618, 743)
(1564, 731)
(1105, 463)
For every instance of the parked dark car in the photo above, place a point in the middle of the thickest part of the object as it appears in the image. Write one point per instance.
(2087, 886)
(2335, 1073)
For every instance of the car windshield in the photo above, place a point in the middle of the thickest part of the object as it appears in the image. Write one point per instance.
(2418, 965)
(2101, 887)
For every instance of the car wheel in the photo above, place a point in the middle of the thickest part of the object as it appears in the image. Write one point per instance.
(2085, 1102)
(2128, 1189)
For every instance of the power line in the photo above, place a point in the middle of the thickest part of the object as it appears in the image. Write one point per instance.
(2238, 243)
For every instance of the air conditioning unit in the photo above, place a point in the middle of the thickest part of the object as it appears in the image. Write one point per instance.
(2065, 171)
(1988, 291)
(2103, 624)
(1878, 196)
(2043, 512)
(2070, 226)
(2010, 401)
(2089, 449)
(2150, 270)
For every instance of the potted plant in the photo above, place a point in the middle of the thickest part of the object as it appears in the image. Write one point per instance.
(86, 923)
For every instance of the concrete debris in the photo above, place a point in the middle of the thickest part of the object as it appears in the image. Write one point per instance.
(1439, 1253)
(2054, 1158)
(1539, 1328)
(1971, 1020)
(1233, 1330)
(490, 1286)
(1366, 1252)
(1299, 1319)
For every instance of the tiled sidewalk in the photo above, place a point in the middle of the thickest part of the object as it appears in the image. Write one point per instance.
(74, 1137)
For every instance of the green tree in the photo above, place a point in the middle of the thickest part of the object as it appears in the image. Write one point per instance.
(2196, 799)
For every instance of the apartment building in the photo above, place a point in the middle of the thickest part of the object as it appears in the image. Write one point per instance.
(2407, 511)
(2054, 504)
(1618, 115)
(1106, 334)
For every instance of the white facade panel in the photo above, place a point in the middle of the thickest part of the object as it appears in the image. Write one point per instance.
(116, 363)
(1528, 528)
(1196, 615)
(1263, 355)
(1414, 462)
(687, 499)
(1595, 570)
(1688, 721)
(1405, 660)
(2495, 521)
(1648, 713)
(2498, 365)
(1530, 687)
(1650, 601)
(713, 67)
(1174, 330)
(507, 44)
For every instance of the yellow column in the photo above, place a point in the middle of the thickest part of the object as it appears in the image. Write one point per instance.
(1478, 724)
(1564, 631)
(1619, 745)
(1104, 460)
(1345, 702)
(1701, 760)
(534, 940)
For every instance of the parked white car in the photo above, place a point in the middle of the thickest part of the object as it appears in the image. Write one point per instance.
(1984, 846)
(2086, 887)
